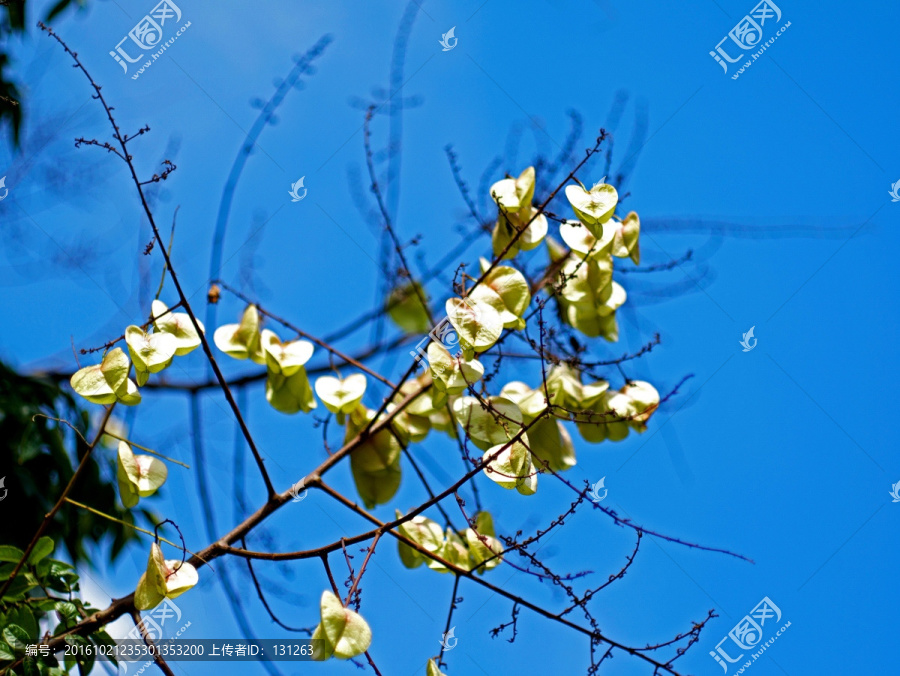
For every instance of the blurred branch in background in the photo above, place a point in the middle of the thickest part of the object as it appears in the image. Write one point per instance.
(12, 23)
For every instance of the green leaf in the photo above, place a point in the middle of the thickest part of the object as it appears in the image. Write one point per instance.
(530, 402)
(24, 617)
(582, 241)
(533, 224)
(179, 325)
(16, 637)
(341, 395)
(85, 656)
(180, 577)
(477, 324)
(46, 605)
(375, 463)
(151, 588)
(285, 358)
(452, 374)
(645, 401)
(593, 207)
(425, 533)
(60, 567)
(11, 554)
(150, 352)
(551, 442)
(68, 613)
(614, 302)
(485, 427)
(42, 548)
(163, 579)
(627, 234)
(102, 638)
(483, 545)
(60, 576)
(90, 383)
(566, 390)
(290, 394)
(405, 308)
(515, 194)
(108, 381)
(18, 588)
(512, 288)
(342, 633)
(242, 340)
(6, 652)
(453, 552)
(115, 367)
(431, 669)
(138, 476)
(30, 667)
(511, 466)
(126, 469)
(376, 477)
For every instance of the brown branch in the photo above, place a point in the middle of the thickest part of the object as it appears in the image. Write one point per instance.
(321, 343)
(595, 635)
(674, 263)
(144, 326)
(157, 658)
(379, 422)
(541, 209)
(168, 262)
(353, 589)
(453, 603)
(388, 226)
(262, 598)
(461, 184)
(590, 593)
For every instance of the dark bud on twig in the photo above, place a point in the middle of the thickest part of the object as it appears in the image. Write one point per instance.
(213, 295)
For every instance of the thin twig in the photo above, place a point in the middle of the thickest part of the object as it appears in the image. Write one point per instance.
(157, 658)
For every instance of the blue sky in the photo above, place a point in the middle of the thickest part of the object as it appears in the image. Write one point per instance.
(781, 454)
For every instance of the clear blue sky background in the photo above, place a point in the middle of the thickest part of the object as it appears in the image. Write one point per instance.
(785, 454)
